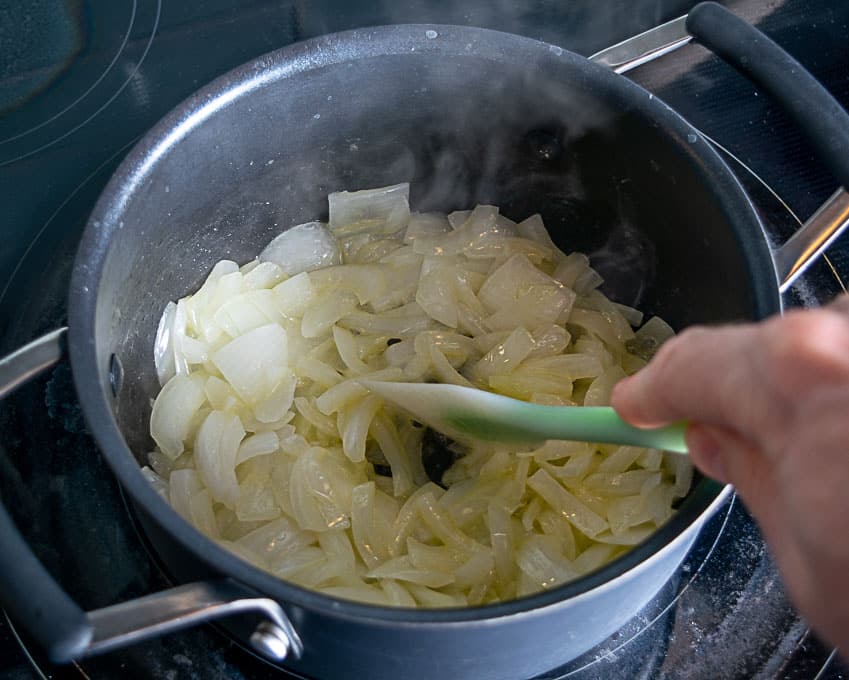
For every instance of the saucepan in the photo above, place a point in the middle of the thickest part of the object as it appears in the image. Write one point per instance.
(467, 116)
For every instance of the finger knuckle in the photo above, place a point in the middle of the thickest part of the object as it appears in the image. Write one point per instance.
(670, 365)
(815, 342)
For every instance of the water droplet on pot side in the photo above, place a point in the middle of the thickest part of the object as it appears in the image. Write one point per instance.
(544, 143)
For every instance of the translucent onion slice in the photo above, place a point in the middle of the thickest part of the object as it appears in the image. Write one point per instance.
(506, 282)
(401, 569)
(369, 282)
(357, 425)
(320, 491)
(294, 295)
(216, 449)
(375, 211)
(163, 345)
(427, 597)
(273, 408)
(396, 594)
(593, 557)
(362, 522)
(501, 540)
(538, 558)
(384, 432)
(277, 540)
(262, 275)
(303, 248)
(326, 311)
(247, 362)
(246, 311)
(173, 412)
(504, 357)
(258, 444)
(475, 573)
(563, 502)
(426, 225)
(182, 485)
(202, 515)
(533, 228)
(365, 593)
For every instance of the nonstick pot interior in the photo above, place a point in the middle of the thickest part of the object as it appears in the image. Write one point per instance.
(467, 117)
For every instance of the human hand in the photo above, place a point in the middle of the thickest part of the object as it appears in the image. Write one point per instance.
(769, 407)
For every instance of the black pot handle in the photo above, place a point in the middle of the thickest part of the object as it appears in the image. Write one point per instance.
(28, 592)
(757, 57)
(36, 601)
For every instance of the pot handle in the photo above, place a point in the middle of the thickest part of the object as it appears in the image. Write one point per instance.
(822, 119)
(28, 592)
(34, 599)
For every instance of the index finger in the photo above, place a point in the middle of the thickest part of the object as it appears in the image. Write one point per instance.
(704, 374)
(748, 377)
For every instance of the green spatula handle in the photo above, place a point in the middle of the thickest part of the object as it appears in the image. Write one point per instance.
(589, 423)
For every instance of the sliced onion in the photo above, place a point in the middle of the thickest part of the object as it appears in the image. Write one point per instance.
(202, 515)
(216, 450)
(362, 522)
(248, 361)
(570, 268)
(277, 540)
(320, 492)
(262, 275)
(400, 569)
(303, 248)
(271, 445)
(356, 427)
(256, 502)
(426, 225)
(375, 211)
(182, 485)
(563, 502)
(533, 228)
(366, 281)
(163, 345)
(274, 407)
(538, 559)
(294, 295)
(396, 594)
(173, 412)
(320, 317)
(504, 357)
(258, 444)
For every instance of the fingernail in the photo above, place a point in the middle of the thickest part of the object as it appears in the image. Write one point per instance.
(706, 452)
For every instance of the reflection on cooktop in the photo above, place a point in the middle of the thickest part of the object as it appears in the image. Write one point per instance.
(92, 68)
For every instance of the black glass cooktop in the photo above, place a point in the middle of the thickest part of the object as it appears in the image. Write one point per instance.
(81, 81)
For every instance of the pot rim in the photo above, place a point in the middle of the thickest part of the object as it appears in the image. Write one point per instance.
(274, 68)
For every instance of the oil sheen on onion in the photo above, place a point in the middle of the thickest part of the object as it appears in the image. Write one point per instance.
(267, 443)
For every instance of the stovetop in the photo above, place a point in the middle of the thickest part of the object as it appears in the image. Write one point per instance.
(80, 82)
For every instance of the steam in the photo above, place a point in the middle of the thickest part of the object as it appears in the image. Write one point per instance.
(582, 27)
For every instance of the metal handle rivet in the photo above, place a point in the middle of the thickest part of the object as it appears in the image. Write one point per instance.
(271, 641)
(116, 374)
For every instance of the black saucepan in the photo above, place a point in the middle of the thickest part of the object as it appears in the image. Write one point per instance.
(466, 115)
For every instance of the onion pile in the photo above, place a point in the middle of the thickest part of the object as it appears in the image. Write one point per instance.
(267, 442)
